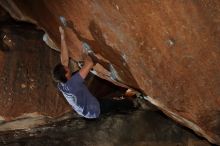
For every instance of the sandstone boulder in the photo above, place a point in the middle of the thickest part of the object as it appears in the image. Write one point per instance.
(168, 50)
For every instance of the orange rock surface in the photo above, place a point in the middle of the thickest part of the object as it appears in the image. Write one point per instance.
(169, 50)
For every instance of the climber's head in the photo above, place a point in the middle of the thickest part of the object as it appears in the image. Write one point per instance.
(61, 73)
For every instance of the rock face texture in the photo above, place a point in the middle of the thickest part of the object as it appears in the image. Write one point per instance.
(27, 89)
(169, 50)
(139, 128)
(28, 95)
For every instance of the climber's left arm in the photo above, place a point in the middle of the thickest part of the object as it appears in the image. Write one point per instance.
(64, 57)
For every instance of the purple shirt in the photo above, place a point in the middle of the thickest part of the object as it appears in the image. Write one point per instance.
(79, 97)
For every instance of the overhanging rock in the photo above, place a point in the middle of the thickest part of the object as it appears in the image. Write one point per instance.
(167, 49)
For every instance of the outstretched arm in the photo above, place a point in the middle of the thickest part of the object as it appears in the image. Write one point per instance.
(64, 57)
(88, 64)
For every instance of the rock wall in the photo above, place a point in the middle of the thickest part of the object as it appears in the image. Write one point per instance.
(139, 128)
(25, 76)
(28, 95)
(168, 50)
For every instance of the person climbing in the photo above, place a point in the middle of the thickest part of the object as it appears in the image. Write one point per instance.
(76, 92)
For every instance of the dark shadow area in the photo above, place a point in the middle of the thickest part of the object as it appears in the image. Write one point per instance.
(136, 128)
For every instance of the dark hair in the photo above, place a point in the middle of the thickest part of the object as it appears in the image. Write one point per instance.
(59, 73)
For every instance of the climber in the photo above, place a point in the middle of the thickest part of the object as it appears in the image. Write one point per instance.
(72, 87)
(75, 91)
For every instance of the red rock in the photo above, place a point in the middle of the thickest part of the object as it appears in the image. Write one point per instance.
(169, 49)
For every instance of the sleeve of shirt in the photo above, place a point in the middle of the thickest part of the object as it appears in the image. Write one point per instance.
(76, 79)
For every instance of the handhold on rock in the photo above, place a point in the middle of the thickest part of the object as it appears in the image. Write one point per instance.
(87, 48)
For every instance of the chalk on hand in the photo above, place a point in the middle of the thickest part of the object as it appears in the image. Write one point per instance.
(63, 21)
